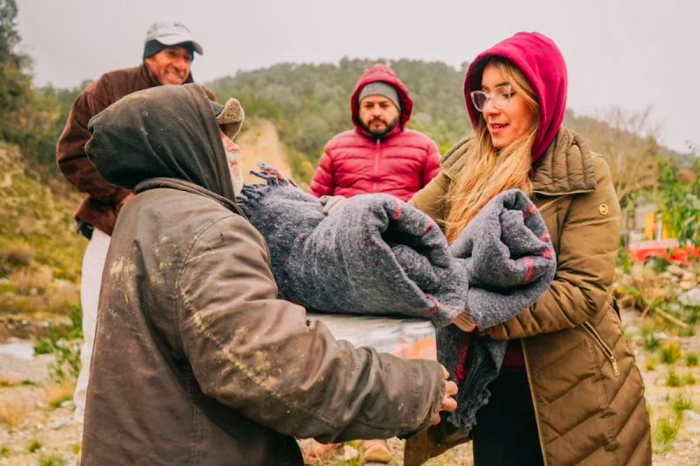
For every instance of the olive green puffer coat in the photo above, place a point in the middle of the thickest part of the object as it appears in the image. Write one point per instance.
(587, 391)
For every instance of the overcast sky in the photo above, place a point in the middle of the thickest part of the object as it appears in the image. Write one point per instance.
(627, 53)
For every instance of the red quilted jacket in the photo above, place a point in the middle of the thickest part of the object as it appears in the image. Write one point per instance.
(354, 162)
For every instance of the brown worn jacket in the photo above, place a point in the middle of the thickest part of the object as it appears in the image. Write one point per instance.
(104, 200)
(196, 360)
(588, 393)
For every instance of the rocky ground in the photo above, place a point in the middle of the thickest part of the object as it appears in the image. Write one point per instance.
(36, 415)
(36, 426)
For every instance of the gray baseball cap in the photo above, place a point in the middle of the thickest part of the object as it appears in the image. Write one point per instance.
(172, 32)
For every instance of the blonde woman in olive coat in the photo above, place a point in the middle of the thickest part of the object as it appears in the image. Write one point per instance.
(569, 392)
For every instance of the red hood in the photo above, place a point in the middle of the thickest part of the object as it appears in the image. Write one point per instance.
(383, 73)
(540, 60)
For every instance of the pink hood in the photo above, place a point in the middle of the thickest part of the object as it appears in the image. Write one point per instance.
(540, 60)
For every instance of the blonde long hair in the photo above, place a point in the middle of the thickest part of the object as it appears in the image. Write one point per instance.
(489, 171)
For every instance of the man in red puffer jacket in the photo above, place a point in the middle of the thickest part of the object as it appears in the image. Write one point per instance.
(379, 155)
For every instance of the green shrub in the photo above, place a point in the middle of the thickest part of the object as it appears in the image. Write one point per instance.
(658, 264)
(673, 380)
(67, 364)
(681, 402)
(66, 346)
(650, 364)
(689, 379)
(623, 257)
(691, 359)
(664, 433)
(691, 314)
(34, 446)
(52, 460)
(681, 206)
(651, 342)
(45, 345)
(670, 353)
(685, 332)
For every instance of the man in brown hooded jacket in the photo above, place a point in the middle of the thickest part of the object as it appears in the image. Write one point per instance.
(196, 359)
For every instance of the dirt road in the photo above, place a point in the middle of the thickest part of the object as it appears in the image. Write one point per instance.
(261, 143)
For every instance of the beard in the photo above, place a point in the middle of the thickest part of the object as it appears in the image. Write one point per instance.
(234, 159)
(388, 127)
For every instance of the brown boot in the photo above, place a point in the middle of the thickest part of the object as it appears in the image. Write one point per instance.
(375, 451)
(318, 453)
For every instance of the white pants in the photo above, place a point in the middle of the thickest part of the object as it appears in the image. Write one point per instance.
(90, 282)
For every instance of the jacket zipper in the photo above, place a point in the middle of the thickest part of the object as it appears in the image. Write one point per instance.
(534, 403)
(376, 167)
(606, 349)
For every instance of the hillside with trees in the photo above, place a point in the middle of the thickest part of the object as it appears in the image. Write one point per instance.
(305, 105)
(310, 103)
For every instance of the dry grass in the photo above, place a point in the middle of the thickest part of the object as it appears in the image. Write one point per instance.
(642, 289)
(56, 302)
(8, 381)
(58, 394)
(32, 281)
(14, 256)
(12, 414)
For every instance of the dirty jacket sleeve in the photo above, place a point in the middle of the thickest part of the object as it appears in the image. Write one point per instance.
(261, 356)
(323, 183)
(70, 149)
(587, 252)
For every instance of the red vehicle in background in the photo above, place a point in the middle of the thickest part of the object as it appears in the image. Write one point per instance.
(651, 237)
(669, 249)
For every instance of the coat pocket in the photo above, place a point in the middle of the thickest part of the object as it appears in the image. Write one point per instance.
(603, 346)
(550, 204)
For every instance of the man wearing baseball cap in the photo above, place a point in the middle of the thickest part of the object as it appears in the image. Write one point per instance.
(168, 52)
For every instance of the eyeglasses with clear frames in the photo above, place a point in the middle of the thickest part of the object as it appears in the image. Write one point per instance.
(500, 96)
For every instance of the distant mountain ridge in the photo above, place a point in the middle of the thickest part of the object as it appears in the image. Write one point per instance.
(310, 103)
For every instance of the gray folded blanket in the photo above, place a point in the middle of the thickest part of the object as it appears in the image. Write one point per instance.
(379, 255)
(511, 263)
